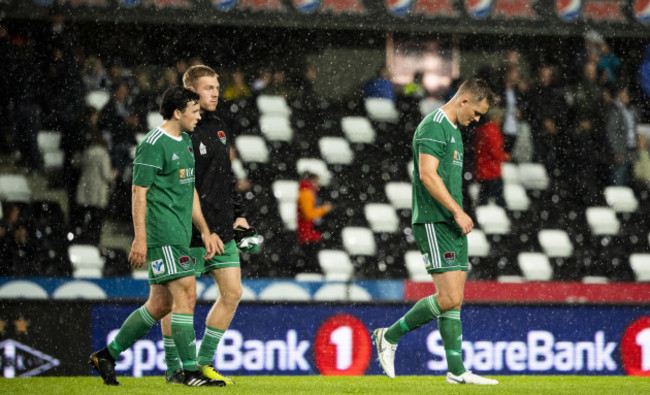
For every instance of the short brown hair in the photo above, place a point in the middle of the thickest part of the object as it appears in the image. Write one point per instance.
(195, 72)
(479, 89)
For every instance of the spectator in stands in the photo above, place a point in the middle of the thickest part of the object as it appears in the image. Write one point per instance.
(94, 187)
(415, 88)
(263, 79)
(489, 153)
(380, 86)
(512, 91)
(94, 75)
(547, 115)
(644, 83)
(621, 132)
(7, 86)
(16, 250)
(237, 89)
(278, 85)
(642, 164)
(310, 213)
(117, 122)
(608, 62)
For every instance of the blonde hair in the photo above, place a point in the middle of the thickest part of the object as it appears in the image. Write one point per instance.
(193, 74)
(479, 89)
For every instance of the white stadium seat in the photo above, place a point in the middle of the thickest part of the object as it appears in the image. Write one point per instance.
(252, 149)
(358, 241)
(86, 261)
(289, 214)
(97, 99)
(381, 217)
(14, 188)
(555, 243)
(382, 110)
(49, 141)
(533, 176)
(429, 105)
(22, 289)
(358, 130)
(415, 266)
(276, 128)
(154, 119)
(87, 272)
(493, 219)
(315, 166)
(640, 264)
(621, 199)
(309, 277)
(285, 190)
(335, 263)
(273, 105)
(477, 244)
(602, 221)
(284, 291)
(535, 266)
(510, 173)
(399, 194)
(409, 168)
(516, 197)
(335, 150)
(332, 292)
(79, 290)
(238, 169)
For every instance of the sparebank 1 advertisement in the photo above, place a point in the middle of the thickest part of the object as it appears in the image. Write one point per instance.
(334, 339)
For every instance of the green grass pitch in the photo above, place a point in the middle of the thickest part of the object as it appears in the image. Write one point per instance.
(376, 385)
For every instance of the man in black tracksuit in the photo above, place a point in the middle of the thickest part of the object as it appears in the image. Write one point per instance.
(222, 208)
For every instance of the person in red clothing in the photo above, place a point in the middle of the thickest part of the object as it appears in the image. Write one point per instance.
(488, 146)
(309, 213)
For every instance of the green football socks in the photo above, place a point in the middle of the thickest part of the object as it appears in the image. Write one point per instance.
(133, 329)
(185, 339)
(424, 311)
(172, 359)
(451, 331)
(211, 339)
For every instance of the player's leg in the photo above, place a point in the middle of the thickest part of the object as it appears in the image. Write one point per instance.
(133, 329)
(174, 372)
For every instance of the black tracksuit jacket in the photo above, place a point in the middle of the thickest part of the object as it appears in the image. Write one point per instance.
(215, 182)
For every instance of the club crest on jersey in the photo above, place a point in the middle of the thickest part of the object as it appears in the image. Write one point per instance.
(450, 257)
(222, 136)
(184, 261)
(157, 266)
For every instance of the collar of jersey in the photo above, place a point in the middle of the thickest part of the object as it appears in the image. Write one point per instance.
(179, 138)
(445, 114)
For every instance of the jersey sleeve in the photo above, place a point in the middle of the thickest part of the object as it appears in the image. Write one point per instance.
(146, 164)
(431, 140)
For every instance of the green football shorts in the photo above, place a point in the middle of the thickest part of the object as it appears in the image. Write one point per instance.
(230, 258)
(168, 263)
(443, 247)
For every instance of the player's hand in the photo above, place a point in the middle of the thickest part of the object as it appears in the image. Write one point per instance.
(241, 221)
(464, 221)
(213, 246)
(138, 254)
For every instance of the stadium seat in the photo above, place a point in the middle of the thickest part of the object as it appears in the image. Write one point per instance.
(555, 243)
(53, 160)
(602, 221)
(429, 105)
(640, 264)
(336, 265)
(140, 274)
(381, 217)
(212, 293)
(382, 110)
(335, 150)
(86, 258)
(399, 194)
(621, 199)
(477, 244)
(334, 292)
(309, 277)
(493, 219)
(289, 214)
(252, 149)
(273, 105)
(515, 197)
(594, 280)
(358, 130)
(535, 266)
(510, 279)
(48, 141)
(79, 290)
(510, 173)
(358, 241)
(276, 128)
(21, 289)
(139, 137)
(154, 119)
(238, 169)
(14, 188)
(415, 266)
(285, 190)
(533, 176)
(284, 291)
(315, 166)
(409, 168)
(87, 272)
(97, 99)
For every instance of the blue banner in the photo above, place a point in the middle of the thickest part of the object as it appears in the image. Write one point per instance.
(303, 339)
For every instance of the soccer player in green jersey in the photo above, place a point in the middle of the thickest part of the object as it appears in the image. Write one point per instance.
(165, 204)
(440, 227)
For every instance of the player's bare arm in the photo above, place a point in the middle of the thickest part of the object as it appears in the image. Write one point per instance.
(212, 242)
(138, 254)
(241, 221)
(436, 187)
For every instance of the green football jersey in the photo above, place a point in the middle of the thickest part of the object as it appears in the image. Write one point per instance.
(165, 164)
(438, 137)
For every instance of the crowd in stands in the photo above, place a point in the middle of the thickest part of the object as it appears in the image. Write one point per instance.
(581, 122)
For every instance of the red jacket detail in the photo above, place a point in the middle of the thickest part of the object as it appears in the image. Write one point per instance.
(488, 148)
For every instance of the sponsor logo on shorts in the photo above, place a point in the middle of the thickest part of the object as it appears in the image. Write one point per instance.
(157, 266)
(184, 261)
(427, 261)
(450, 257)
